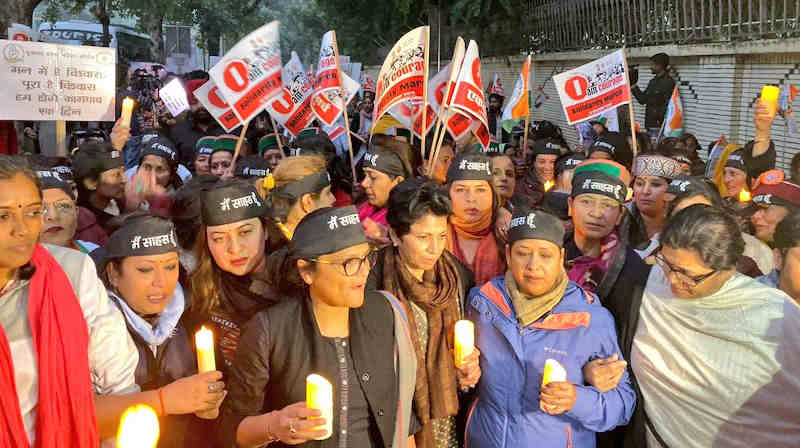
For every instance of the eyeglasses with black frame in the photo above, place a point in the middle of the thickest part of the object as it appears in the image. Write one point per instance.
(351, 266)
(686, 279)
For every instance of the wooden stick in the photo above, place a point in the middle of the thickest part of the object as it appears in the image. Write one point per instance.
(239, 143)
(441, 126)
(437, 145)
(344, 107)
(630, 105)
(61, 138)
(528, 116)
(424, 125)
(277, 135)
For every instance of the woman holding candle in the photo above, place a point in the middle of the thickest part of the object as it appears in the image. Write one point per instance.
(139, 267)
(432, 285)
(230, 282)
(359, 343)
(541, 168)
(652, 174)
(523, 318)
(475, 203)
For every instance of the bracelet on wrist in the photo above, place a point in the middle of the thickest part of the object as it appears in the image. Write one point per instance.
(271, 437)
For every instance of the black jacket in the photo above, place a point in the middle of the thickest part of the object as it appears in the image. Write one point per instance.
(282, 345)
(655, 98)
(185, 135)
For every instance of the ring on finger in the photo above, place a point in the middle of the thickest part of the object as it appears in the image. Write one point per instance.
(291, 426)
(212, 387)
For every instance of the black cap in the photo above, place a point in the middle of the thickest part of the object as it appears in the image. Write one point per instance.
(64, 172)
(736, 160)
(139, 235)
(568, 162)
(93, 159)
(231, 201)
(250, 167)
(548, 146)
(49, 179)
(384, 161)
(325, 231)
(527, 224)
(470, 166)
(159, 146)
(616, 145)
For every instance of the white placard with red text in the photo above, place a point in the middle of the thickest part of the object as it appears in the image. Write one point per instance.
(208, 95)
(292, 109)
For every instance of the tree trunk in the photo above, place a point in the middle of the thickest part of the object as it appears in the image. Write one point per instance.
(19, 11)
(155, 28)
(105, 20)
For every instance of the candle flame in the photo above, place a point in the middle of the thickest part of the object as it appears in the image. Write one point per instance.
(549, 185)
(744, 195)
(138, 428)
(204, 338)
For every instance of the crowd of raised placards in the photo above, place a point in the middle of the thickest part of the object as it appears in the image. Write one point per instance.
(263, 256)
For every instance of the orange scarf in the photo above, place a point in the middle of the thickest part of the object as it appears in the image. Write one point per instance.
(487, 263)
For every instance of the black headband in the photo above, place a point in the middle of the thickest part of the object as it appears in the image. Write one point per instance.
(326, 231)
(470, 166)
(51, 179)
(160, 147)
(597, 182)
(736, 160)
(139, 235)
(384, 161)
(309, 184)
(64, 172)
(568, 162)
(250, 167)
(535, 225)
(231, 202)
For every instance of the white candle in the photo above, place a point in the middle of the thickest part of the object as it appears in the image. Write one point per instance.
(127, 110)
(464, 341)
(319, 395)
(553, 372)
(204, 339)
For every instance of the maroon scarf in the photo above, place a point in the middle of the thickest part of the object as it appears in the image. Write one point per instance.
(589, 271)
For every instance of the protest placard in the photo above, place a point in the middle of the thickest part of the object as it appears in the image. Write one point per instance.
(292, 109)
(174, 97)
(402, 75)
(249, 75)
(468, 95)
(208, 95)
(56, 82)
(594, 88)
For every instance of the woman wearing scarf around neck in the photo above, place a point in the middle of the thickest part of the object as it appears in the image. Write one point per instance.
(531, 314)
(432, 285)
(359, 342)
(383, 170)
(652, 175)
(65, 357)
(713, 352)
(229, 284)
(471, 238)
(139, 267)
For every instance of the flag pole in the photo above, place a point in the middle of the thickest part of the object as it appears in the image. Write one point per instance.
(239, 143)
(634, 141)
(528, 115)
(277, 135)
(424, 125)
(344, 106)
(441, 126)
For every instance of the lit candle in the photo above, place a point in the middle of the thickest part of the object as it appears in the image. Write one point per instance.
(769, 97)
(553, 372)
(549, 185)
(204, 340)
(744, 195)
(319, 395)
(464, 340)
(127, 110)
(138, 428)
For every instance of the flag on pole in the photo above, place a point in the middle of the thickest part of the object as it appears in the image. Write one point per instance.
(468, 97)
(788, 94)
(496, 87)
(293, 109)
(673, 122)
(518, 106)
(325, 100)
(402, 74)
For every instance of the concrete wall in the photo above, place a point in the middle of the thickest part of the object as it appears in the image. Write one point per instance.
(719, 84)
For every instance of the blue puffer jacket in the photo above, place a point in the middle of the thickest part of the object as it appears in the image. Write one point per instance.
(506, 412)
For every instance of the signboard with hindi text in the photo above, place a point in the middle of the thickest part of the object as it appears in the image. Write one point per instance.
(174, 97)
(208, 95)
(594, 88)
(56, 82)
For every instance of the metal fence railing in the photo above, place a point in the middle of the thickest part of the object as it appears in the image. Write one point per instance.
(565, 25)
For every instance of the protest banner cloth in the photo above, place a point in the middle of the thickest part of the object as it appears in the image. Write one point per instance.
(292, 109)
(57, 82)
(593, 88)
(174, 97)
(249, 75)
(209, 97)
(403, 76)
(468, 97)
(673, 121)
(518, 106)
(788, 93)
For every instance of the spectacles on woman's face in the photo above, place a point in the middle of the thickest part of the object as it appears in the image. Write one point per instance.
(681, 275)
(351, 266)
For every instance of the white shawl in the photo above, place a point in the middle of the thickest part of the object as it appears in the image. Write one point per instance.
(720, 371)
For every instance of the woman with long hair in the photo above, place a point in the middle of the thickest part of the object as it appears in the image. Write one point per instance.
(432, 285)
(475, 204)
(383, 170)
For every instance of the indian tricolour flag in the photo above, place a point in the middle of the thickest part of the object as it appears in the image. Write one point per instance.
(517, 107)
(673, 123)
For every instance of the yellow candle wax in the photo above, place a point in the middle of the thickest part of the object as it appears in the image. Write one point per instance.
(769, 97)
(204, 339)
(464, 340)
(127, 110)
(138, 428)
(744, 195)
(553, 372)
(319, 395)
(549, 185)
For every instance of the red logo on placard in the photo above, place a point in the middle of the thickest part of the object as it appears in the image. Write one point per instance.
(215, 99)
(20, 36)
(576, 87)
(235, 76)
(476, 72)
(284, 104)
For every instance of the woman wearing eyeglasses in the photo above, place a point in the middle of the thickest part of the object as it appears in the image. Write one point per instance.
(359, 343)
(714, 352)
(60, 213)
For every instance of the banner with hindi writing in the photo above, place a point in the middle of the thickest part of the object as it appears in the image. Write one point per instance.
(57, 82)
(468, 97)
(249, 75)
(402, 74)
(292, 109)
(209, 97)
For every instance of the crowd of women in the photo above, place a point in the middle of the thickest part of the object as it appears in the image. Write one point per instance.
(668, 299)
